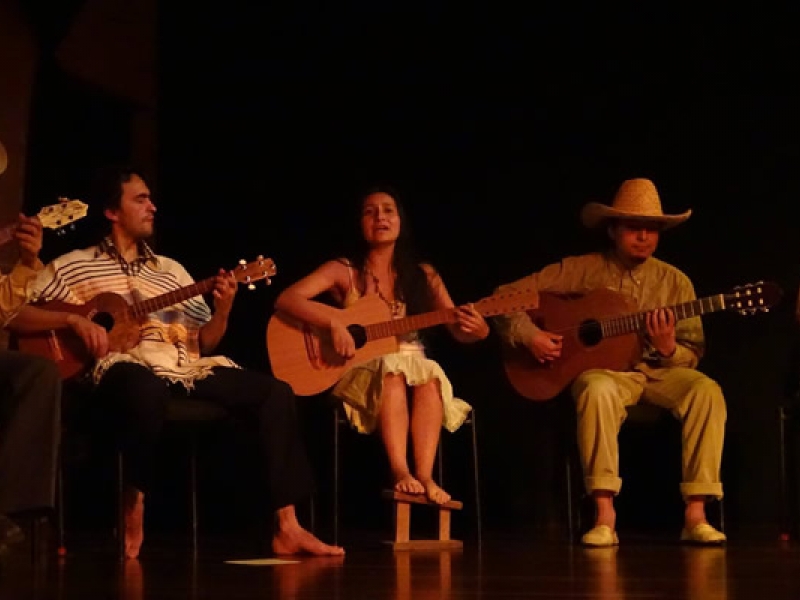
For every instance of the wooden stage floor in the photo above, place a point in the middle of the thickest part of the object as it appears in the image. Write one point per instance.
(504, 568)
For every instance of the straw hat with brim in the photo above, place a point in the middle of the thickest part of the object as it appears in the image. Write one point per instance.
(636, 199)
(3, 158)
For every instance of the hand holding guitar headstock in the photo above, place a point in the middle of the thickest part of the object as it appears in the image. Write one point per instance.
(62, 216)
(56, 216)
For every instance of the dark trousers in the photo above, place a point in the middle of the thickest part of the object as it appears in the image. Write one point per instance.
(30, 431)
(137, 400)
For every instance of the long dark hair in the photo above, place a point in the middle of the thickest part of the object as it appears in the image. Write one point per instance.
(411, 285)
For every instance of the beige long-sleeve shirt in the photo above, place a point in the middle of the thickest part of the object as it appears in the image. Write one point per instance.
(653, 284)
(14, 290)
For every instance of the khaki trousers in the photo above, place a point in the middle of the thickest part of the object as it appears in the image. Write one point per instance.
(602, 397)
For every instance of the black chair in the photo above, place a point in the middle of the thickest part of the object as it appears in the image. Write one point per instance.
(189, 417)
(788, 437)
(788, 430)
(341, 422)
(192, 416)
(639, 416)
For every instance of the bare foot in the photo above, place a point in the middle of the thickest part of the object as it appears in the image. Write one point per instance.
(134, 523)
(407, 483)
(296, 540)
(434, 492)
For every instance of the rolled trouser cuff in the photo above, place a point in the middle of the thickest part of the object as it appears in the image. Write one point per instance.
(713, 490)
(610, 484)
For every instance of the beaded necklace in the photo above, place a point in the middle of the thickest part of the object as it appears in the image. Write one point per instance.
(395, 306)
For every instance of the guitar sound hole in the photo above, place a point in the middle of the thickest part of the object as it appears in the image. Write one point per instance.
(590, 333)
(359, 334)
(105, 320)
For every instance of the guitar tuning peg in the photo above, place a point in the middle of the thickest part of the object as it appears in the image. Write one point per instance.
(242, 262)
(260, 258)
(268, 281)
(251, 286)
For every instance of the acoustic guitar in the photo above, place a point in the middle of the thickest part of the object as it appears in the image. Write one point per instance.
(57, 217)
(121, 319)
(603, 330)
(303, 356)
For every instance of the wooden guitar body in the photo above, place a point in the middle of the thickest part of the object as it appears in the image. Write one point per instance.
(303, 355)
(583, 345)
(107, 309)
(602, 329)
(120, 319)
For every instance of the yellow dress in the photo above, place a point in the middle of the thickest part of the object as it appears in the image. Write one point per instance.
(360, 388)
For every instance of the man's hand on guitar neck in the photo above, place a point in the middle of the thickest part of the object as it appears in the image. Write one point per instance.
(660, 325)
(29, 238)
(224, 292)
(94, 336)
(545, 346)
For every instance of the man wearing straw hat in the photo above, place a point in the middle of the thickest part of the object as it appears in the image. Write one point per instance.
(30, 395)
(665, 374)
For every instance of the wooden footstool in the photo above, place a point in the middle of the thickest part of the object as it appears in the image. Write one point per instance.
(402, 522)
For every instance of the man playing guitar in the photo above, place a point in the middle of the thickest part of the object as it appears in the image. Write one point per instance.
(167, 352)
(663, 373)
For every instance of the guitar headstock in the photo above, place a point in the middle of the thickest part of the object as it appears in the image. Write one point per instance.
(756, 297)
(516, 301)
(249, 273)
(62, 215)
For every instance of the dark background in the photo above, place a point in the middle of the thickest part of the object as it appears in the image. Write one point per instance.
(497, 123)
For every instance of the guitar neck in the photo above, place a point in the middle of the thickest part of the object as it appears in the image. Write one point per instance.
(406, 325)
(494, 305)
(156, 303)
(636, 322)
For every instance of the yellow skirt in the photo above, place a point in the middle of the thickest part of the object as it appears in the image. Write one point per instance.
(361, 387)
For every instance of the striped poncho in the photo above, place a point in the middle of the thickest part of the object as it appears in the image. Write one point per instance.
(169, 341)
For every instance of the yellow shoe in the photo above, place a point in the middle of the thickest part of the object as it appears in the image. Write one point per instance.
(703, 534)
(600, 537)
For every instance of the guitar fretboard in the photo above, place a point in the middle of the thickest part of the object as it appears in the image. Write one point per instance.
(635, 322)
(156, 303)
(493, 305)
(408, 324)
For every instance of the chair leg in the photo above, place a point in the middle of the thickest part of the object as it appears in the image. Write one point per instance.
(60, 526)
(120, 507)
(786, 527)
(193, 492)
(336, 476)
(570, 503)
(476, 479)
(38, 537)
(312, 515)
(35, 540)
